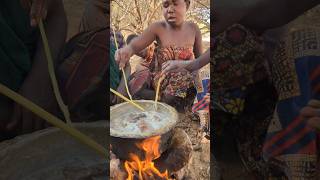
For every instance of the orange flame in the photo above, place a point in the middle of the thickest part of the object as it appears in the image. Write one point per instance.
(145, 168)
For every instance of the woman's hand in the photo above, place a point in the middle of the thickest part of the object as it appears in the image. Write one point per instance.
(175, 66)
(311, 113)
(123, 55)
(38, 10)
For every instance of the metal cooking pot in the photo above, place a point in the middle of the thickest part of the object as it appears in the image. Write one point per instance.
(123, 143)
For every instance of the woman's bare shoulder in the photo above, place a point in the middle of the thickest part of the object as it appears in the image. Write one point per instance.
(157, 27)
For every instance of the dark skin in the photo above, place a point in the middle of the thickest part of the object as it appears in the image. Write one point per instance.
(190, 65)
(52, 12)
(38, 10)
(311, 113)
(173, 31)
(246, 13)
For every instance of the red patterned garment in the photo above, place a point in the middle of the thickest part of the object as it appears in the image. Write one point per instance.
(175, 84)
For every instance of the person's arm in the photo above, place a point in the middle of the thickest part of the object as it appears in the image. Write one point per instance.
(201, 61)
(311, 114)
(190, 65)
(198, 41)
(56, 31)
(145, 39)
(37, 85)
(139, 43)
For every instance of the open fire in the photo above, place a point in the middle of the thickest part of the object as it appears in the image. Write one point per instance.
(145, 169)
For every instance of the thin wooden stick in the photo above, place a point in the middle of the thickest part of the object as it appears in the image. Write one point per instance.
(126, 99)
(115, 38)
(123, 73)
(53, 120)
(126, 84)
(53, 78)
(161, 78)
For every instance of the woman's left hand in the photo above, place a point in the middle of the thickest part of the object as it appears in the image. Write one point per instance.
(311, 112)
(38, 10)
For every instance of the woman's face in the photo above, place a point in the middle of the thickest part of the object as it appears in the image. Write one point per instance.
(174, 11)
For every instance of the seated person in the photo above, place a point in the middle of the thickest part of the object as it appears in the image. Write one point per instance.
(176, 39)
(23, 62)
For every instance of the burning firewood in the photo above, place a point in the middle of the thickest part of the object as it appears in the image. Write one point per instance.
(116, 172)
(174, 160)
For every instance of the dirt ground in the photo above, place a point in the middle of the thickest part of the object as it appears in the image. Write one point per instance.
(199, 165)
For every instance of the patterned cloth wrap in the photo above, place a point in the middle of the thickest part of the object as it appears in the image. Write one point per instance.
(82, 74)
(202, 84)
(175, 84)
(238, 61)
(243, 96)
(291, 145)
(202, 100)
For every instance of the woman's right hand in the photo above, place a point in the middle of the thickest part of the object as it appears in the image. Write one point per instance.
(123, 55)
(38, 10)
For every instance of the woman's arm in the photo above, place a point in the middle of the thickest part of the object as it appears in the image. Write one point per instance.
(201, 61)
(139, 43)
(145, 39)
(190, 65)
(197, 49)
(311, 114)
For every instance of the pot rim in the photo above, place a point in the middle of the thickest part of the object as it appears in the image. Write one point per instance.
(169, 125)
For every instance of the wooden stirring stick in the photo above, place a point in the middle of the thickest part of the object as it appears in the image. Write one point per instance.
(126, 99)
(53, 120)
(123, 73)
(63, 107)
(161, 78)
